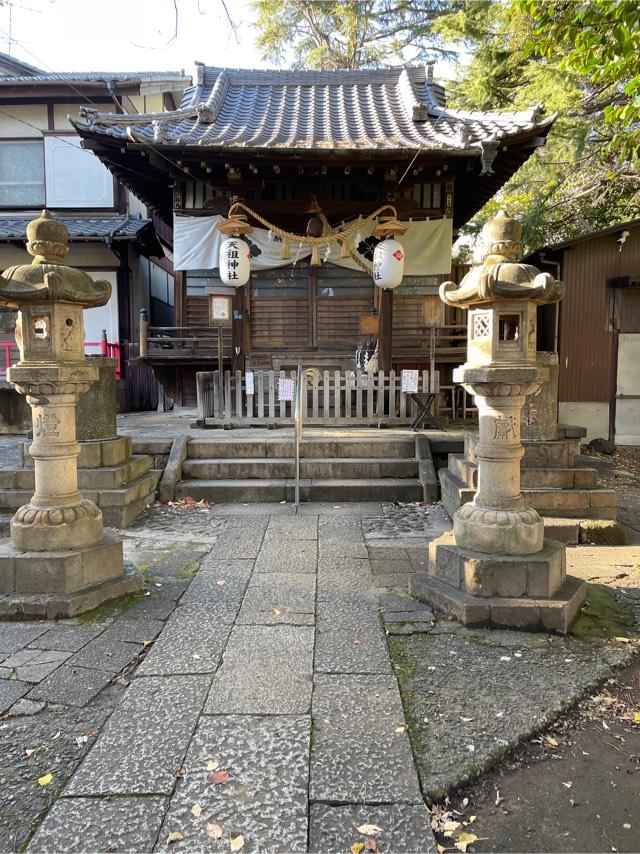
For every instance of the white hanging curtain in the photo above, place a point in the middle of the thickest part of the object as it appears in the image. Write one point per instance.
(427, 245)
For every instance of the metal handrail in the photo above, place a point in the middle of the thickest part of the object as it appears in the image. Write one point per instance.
(297, 418)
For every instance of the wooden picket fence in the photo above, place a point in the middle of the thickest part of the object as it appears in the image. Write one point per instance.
(332, 398)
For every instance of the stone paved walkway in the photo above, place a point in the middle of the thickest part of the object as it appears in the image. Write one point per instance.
(272, 673)
(251, 693)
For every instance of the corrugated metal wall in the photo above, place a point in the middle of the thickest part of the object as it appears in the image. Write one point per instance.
(587, 336)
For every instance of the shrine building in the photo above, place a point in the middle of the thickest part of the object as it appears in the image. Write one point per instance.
(309, 152)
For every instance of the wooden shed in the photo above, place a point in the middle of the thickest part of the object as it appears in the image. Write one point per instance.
(596, 330)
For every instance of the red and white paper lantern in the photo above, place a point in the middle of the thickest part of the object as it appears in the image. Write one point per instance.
(388, 263)
(235, 262)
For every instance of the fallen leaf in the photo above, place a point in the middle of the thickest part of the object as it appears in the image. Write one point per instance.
(568, 785)
(550, 741)
(369, 829)
(357, 847)
(180, 773)
(236, 842)
(196, 810)
(636, 717)
(175, 836)
(441, 849)
(371, 845)
(213, 831)
(30, 750)
(81, 739)
(212, 764)
(277, 612)
(472, 818)
(451, 826)
(401, 728)
(623, 640)
(464, 840)
(219, 777)
(220, 583)
(45, 780)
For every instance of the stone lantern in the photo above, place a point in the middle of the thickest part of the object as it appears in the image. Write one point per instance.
(59, 561)
(496, 567)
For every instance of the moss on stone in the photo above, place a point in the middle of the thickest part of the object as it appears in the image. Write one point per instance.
(110, 609)
(602, 616)
(603, 532)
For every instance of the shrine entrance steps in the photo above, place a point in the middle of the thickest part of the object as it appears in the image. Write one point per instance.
(340, 470)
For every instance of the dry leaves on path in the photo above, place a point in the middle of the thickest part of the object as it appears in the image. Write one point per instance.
(219, 777)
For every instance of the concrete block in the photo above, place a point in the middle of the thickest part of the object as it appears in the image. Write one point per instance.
(24, 479)
(562, 530)
(603, 498)
(515, 614)
(152, 446)
(559, 613)
(115, 451)
(64, 572)
(173, 470)
(458, 604)
(585, 478)
(7, 573)
(444, 563)
(7, 479)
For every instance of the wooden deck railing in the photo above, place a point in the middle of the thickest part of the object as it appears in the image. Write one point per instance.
(333, 397)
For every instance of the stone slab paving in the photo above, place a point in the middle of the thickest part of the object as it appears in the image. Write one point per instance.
(192, 642)
(31, 665)
(278, 598)
(142, 746)
(265, 799)
(10, 691)
(267, 670)
(78, 825)
(403, 828)
(278, 664)
(71, 686)
(361, 752)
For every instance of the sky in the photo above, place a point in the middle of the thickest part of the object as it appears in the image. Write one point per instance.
(127, 35)
(131, 35)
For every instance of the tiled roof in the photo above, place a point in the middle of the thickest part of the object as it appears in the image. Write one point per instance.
(91, 76)
(373, 109)
(80, 227)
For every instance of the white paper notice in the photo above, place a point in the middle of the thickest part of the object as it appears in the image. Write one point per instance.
(409, 383)
(248, 382)
(285, 389)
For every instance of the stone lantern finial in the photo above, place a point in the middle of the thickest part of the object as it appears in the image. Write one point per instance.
(502, 238)
(47, 239)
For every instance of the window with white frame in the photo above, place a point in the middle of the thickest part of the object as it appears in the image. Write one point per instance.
(22, 173)
(55, 172)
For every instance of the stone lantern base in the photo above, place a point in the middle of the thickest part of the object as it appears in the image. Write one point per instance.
(57, 584)
(511, 591)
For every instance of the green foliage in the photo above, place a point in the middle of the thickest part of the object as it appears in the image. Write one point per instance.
(599, 40)
(577, 182)
(331, 34)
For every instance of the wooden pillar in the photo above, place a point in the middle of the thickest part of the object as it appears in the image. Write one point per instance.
(237, 330)
(385, 336)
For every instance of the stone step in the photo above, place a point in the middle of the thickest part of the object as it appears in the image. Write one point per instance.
(120, 506)
(311, 448)
(106, 477)
(556, 453)
(270, 468)
(531, 478)
(283, 489)
(576, 503)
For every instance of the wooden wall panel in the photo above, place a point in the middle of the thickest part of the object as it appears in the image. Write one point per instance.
(338, 320)
(587, 335)
(279, 322)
